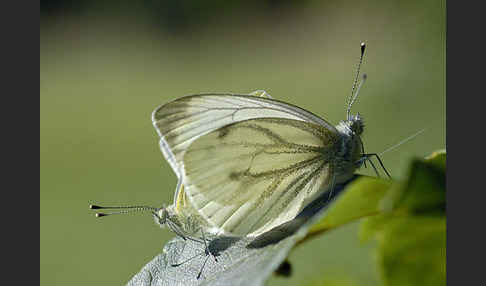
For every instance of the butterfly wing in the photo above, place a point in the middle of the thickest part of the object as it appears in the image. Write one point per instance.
(183, 120)
(248, 177)
(248, 163)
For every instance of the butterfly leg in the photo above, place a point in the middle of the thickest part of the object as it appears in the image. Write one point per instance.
(202, 267)
(177, 258)
(261, 93)
(362, 150)
(186, 240)
(374, 167)
(379, 161)
(187, 260)
(174, 228)
(207, 251)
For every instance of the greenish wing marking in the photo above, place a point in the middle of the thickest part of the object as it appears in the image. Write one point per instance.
(253, 175)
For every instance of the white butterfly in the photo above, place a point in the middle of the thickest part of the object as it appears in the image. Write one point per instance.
(250, 163)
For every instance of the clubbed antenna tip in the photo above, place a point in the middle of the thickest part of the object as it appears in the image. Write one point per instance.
(354, 95)
(121, 209)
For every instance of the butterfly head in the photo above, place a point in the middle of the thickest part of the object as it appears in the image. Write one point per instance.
(354, 125)
(161, 215)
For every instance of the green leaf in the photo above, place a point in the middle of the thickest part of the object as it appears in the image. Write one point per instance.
(437, 158)
(424, 190)
(361, 199)
(411, 230)
(412, 251)
(326, 281)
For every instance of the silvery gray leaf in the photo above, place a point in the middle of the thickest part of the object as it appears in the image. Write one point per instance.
(240, 261)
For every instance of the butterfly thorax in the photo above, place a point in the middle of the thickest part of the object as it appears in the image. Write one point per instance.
(350, 152)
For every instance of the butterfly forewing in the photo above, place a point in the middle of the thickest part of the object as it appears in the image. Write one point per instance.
(183, 120)
(256, 174)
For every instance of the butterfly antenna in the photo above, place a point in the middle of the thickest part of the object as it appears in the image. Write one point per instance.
(363, 80)
(122, 209)
(403, 141)
(353, 96)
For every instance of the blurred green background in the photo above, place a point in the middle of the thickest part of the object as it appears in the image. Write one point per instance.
(105, 65)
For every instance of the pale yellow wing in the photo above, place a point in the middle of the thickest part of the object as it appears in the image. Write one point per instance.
(250, 176)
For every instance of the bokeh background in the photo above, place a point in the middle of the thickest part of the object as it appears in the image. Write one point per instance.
(105, 65)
